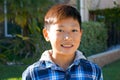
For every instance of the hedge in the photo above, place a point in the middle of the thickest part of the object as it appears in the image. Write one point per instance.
(94, 39)
(111, 18)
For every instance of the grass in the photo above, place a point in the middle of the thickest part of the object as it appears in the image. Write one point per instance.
(11, 72)
(110, 72)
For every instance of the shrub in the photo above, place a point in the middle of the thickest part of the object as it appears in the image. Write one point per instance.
(111, 17)
(94, 39)
(23, 47)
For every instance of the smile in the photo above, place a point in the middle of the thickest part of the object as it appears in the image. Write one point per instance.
(67, 45)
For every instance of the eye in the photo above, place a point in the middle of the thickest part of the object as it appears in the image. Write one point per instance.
(74, 30)
(60, 30)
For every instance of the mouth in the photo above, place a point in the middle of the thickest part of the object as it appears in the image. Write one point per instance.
(67, 45)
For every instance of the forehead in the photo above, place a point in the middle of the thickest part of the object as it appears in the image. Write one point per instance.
(68, 22)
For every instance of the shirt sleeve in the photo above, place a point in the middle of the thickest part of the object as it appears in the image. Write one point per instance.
(26, 75)
(99, 73)
(101, 76)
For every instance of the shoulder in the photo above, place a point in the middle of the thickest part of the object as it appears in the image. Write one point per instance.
(32, 69)
(90, 66)
(36, 65)
(88, 63)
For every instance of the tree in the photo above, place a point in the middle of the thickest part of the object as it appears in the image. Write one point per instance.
(29, 15)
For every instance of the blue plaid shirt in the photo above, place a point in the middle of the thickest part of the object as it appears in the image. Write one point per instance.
(80, 69)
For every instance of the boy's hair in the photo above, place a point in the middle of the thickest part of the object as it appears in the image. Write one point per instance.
(60, 12)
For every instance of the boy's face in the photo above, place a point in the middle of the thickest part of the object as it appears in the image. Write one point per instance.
(64, 36)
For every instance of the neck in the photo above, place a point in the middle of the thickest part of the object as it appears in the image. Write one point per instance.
(63, 61)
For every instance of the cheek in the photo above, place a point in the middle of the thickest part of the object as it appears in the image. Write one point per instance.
(77, 40)
(77, 37)
(54, 38)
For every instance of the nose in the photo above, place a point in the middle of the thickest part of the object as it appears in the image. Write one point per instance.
(67, 36)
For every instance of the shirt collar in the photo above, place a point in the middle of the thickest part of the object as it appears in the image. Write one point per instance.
(49, 63)
(46, 56)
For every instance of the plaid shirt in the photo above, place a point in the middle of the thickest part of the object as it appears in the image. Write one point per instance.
(80, 69)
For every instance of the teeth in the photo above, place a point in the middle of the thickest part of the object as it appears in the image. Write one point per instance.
(67, 45)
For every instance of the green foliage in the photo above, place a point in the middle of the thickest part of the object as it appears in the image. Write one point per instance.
(21, 47)
(29, 15)
(21, 11)
(12, 49)
(111, 16)
(94, 39)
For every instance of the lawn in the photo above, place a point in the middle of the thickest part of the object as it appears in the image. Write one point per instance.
(110, 72)
(11, 72)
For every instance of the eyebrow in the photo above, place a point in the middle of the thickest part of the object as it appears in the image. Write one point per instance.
(62, 25)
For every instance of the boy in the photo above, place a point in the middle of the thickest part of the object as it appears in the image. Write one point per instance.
(64, 62)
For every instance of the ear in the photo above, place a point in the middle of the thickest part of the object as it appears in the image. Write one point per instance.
(81, 31)
(45, 34)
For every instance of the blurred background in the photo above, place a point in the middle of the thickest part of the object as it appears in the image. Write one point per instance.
(22, 42)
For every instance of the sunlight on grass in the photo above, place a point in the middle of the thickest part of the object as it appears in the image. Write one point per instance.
(13, 79)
